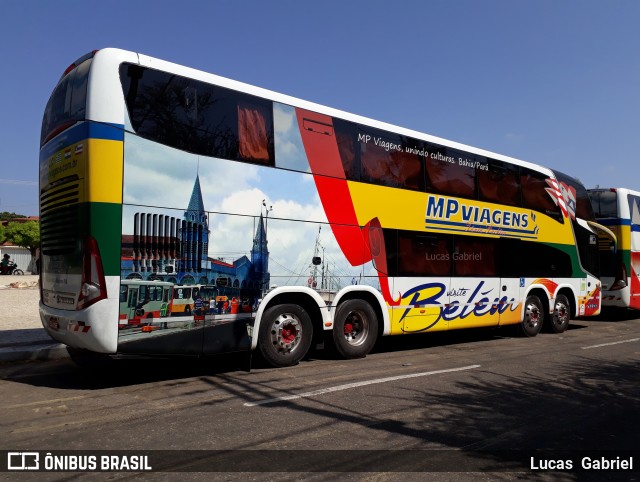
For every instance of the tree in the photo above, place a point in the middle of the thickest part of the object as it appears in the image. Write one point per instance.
(2, 234)
(25, 234)
(7, 216)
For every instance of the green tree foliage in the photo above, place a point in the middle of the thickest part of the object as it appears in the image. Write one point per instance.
(25, 234)
(3, 238)
(7, 216)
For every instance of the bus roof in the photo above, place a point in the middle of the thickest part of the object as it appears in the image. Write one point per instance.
(105, 73)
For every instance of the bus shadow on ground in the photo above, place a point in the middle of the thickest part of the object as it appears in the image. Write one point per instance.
(617, 314)
(129, 370)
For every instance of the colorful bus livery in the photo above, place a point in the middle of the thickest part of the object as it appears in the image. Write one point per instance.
(619, 210)
(450, 214)
(328, 226)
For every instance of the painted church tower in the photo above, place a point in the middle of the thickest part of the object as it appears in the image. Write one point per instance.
(194, 233)
(260, 255)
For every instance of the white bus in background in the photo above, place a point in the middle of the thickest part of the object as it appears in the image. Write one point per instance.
(619, 210)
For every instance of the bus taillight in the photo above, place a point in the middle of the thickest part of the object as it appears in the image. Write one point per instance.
(94, 287)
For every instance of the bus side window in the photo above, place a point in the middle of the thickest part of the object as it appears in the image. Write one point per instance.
(422, 254)
(499, 182)
(445, 175)
(511, 263)
(535, 195)
(384, 161)
(346, 138)
(198, 117)
(255, 133)
(123, 293)
(541, 260)
(474, 256)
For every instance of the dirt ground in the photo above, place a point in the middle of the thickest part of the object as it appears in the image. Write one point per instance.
(19, 298)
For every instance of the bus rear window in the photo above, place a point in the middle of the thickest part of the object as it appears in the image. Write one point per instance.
(67, 104)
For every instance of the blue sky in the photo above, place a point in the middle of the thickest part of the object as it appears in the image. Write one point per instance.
(555, 82)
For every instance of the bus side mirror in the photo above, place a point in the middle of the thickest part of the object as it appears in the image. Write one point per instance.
(316, 260)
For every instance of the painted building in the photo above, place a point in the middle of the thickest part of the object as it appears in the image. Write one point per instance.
(168, 248)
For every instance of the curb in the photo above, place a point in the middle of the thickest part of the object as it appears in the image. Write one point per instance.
(49, 351)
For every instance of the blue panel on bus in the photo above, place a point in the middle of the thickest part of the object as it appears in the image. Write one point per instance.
(614, 222)
(81, 131)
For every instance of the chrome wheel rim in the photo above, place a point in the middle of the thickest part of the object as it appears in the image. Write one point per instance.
(560, 314)
(356, 328)
(532, 316)
(286, 332)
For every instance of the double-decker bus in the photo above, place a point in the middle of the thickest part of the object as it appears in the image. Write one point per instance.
(619, 210)
(143, 302)
(420, 234)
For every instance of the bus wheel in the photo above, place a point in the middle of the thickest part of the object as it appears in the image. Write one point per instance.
(355, 329)
(561, 317)
(533, 316)
(285, 335)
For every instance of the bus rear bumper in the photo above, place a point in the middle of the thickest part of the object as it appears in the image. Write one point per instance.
(74, 328)
(616, 298)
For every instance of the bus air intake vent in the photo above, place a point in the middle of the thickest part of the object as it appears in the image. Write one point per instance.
(59, 219)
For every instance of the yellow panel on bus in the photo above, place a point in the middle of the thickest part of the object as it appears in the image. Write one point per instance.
(437, 213)
(104, 183)
(99, 162)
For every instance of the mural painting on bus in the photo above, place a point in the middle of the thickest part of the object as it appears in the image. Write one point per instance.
(216, 222)
(349, 205)
(173, 244)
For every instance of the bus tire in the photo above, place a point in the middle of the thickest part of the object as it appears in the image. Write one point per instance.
(533, 316)
(285, 335)
(561, 317)
(355, 329)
